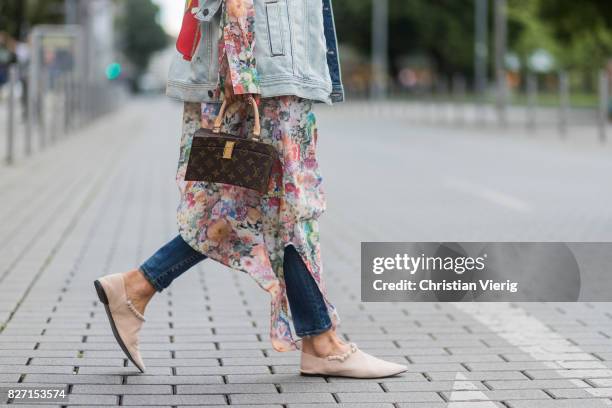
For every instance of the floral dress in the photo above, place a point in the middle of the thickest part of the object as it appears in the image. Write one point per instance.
(239, 227)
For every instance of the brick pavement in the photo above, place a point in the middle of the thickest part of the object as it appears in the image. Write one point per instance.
(92, 205)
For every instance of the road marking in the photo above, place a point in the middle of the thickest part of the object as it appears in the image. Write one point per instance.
(525, 332)
(490, 195)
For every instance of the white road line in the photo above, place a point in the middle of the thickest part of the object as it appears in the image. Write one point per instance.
(490, 195)
(513, 324)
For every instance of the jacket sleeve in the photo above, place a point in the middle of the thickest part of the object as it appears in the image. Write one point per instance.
(238, 22)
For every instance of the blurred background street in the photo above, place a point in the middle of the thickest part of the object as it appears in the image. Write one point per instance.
(478, 121)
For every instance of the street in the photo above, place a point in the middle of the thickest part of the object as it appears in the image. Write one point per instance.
(103, 200)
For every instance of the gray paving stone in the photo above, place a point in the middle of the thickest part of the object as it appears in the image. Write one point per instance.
(5, 378)
(500, 395)
(568, 403)
(91, 399)
(398, 378)
(558, 374)
(255, 399)
(241, 406)
(471, 404)
(40, 353)
(516, 366)
(370, 387)
(582, 393)
(121, 389)
(21, 369)
(463, 358)
(222, 370)
(272, 379)
(13, 360)
(351, 405)
(80, 362)
(600, 382)
(72, 379)
(435, 386)
(276, 360)
(174, 379)
(156, 400)
(390, 397)
(129, 370)
(226, 389)
(537, 384)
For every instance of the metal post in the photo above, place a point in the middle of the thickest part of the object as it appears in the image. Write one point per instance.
(380, 45)
(53, 110)
(43, 127)
(564, 102)
(532, 101)
(10, 123)
(604, 105)
(67, 103)
(481, 51)
(459, 89)
(443, 100)
(71, 11)
(501, 46)
(33, 96)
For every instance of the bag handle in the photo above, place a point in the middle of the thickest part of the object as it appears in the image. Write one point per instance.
(256, 127)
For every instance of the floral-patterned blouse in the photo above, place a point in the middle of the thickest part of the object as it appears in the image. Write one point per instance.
(237, 226)
(236, 43)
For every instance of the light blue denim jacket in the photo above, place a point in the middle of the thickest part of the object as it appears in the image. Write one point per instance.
(296, 51)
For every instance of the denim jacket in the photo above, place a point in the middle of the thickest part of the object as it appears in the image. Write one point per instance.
(296, 53)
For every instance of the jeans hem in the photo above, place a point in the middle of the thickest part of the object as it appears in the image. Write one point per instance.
(150, 278)
(314, 332)
(160, 278)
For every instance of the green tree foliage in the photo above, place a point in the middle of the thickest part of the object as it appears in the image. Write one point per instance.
(577, 33)
(440, 29)
(583, 30)
(141, 35)
(17, 16)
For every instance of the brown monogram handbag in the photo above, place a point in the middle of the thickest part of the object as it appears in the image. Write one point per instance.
(222, 158)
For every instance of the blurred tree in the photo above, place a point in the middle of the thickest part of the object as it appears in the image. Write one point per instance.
(16, 16)
(577, 33)
(440, 29)
(140, 35)
(582, 28)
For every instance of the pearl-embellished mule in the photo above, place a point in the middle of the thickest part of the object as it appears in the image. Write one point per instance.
(124, 319)
(354, 363)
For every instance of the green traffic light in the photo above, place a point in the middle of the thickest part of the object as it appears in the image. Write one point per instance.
(113, 71)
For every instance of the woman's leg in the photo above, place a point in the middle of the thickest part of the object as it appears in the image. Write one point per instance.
(158, 272)
(308, 310)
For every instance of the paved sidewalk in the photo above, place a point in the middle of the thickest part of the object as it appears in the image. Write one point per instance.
(103, 200)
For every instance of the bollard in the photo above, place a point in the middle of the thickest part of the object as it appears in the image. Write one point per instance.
(532, 101)
(443, 101)
(42, 108)
(10, 123)
(502, 99)
(66, 110)
(53, 109)
(604, 100)
(459, 90)
(564, 103)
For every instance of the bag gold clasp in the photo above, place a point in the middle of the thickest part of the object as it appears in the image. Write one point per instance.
(228, 149)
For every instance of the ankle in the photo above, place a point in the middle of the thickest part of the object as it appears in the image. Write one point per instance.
(138, 286)
(323, 345)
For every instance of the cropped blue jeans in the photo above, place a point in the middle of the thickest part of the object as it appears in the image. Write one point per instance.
(308, 309)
